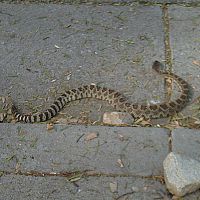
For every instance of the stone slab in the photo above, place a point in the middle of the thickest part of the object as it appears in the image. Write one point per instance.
(191, 2)
(186, 142)
(116, 150)
(184, 37)
(49, 48)
(14, 187)
(113, 2)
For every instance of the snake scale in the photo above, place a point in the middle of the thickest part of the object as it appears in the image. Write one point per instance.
(117, 100)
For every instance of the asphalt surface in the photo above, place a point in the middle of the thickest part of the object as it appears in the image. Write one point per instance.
(47, 48)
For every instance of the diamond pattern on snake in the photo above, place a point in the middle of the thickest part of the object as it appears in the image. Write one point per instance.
(115, 99)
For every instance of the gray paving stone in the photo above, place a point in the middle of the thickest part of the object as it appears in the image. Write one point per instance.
(23, 187)
(115, 2)
(140, 150)
(187, 142)
(174, 1)
(184, 32)
(46, 49)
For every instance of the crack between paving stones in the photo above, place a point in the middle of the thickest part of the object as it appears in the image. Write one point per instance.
(86, 173)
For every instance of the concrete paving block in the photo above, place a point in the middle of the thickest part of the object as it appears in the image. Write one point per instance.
(112, 2)
(14, 187)
(194, 195)
(192, 2)
(118, 150)
(184, 37)
(187, 142)
(48, 48)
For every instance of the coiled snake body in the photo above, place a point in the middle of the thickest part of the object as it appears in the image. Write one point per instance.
(117, 100)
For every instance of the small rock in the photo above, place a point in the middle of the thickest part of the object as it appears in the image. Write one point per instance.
(91, 136)
(120, 163)
(182, 174)
(117, 118)
(113, 187)
(50, 126)
(135, 189)
(122, 137)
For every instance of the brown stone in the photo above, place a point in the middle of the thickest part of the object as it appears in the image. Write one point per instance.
(117, 118)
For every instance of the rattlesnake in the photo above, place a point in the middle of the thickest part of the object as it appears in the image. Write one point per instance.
(117, 100)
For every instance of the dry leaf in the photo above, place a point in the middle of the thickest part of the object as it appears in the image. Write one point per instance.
(169, 81)
(75, 177)
(119, 161)
(17, 167)
(69, 76)
(196, 62)
(73, 120)
(197, 122)
(91, 173)
(145, 123)
(56, 46)
(121, 137)
(53, 173)
(139, 120)
(49, 126)
(91, 136)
